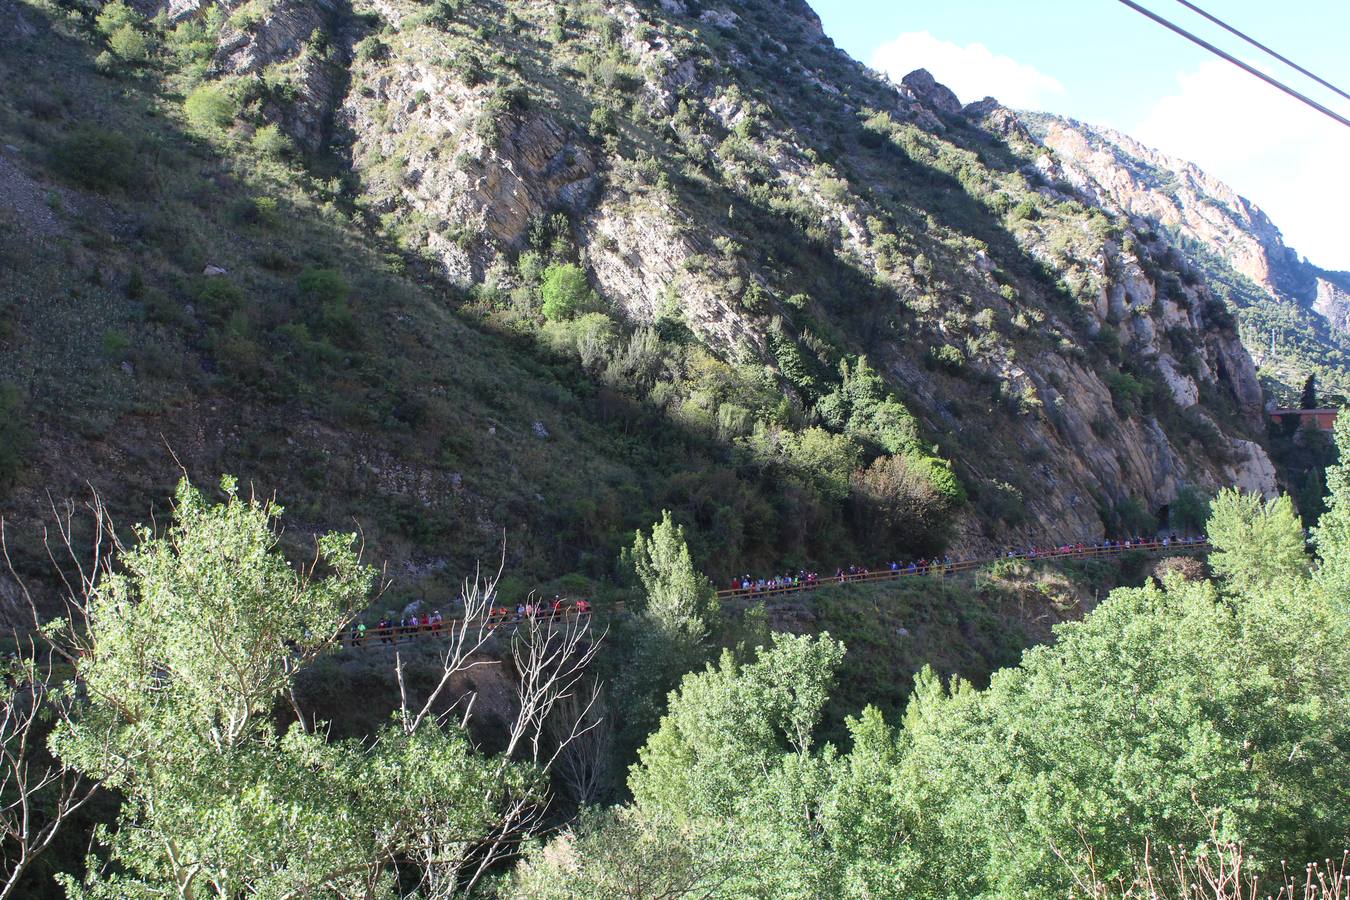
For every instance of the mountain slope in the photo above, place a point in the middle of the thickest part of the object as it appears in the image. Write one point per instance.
(1271, 288)
(460, 267)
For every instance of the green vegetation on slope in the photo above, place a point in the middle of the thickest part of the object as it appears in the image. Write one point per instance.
(180, 286)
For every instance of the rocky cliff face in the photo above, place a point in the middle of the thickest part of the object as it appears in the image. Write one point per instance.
(766, 226)
(676, 140)
(1201, 213)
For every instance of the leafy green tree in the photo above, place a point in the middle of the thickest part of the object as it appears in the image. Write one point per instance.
(620, 852)
(115, 16)
(185, 651)
(210, 107)
(1257, 543)
(1332, 534)
(1165, 714)
(671, 635)
(565, 291)
(269, 140)
(680, 599)
(823, 459)
(1190, 510)
(130, 44)
(734, 756)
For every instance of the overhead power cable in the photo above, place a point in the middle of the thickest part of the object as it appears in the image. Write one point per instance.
(1260, 46)
(1252, 70)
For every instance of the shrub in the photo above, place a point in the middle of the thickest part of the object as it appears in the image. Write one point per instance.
(115, 16)
(372, 49)
(210, 106)
(1002, 501)
(896, 504)
(1184, 567)
(947, 357)
(565, 291)
(270, 140)
(603, 121)
(1126, 391)
(219, 298)
(320, 286)
(941, 477)
(97, 159)
(115, 344)
(827, 460)
(1134, 519)
(129, 44)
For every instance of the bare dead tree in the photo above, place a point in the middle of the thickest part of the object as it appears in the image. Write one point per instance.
(464, 639)
(551, 656)
(584, 735)
(39, 795)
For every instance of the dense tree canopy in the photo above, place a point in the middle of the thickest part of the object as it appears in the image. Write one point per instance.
(1177, 714)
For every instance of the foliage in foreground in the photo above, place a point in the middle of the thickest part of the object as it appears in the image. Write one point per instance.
(1190, 714)
(1200, 716)
(187, 650)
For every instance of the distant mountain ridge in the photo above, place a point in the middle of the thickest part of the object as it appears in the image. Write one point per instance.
(1123, 175)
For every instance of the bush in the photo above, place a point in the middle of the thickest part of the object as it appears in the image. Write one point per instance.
(565, 291)
(1126, 391)
(115, 16)
(941, 477)
(219, 299)
(896, 505)
(129, 44)
(825, 459)
(320, 286)
(270, 140)
(603, 122)
(373, 49)
(210, 106)
(947, 357)
(96, 159)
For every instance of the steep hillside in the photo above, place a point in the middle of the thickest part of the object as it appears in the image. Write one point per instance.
(1269, 286)
(455, 268)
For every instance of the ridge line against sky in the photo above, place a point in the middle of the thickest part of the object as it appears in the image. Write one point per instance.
(1103, 64)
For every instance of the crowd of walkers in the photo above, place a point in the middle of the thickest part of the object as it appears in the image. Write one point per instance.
(391, 629)
(1108, 546)
(412, 624)
(746, 586)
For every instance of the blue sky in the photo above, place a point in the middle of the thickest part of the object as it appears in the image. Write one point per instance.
(1098, 61)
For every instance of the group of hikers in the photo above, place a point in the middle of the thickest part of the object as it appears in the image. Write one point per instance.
(412, 624)
(1107, 546)
(748, 585)
(803, 580)
(389, 630)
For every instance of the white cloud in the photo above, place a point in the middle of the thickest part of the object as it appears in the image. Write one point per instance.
(1285, 157)
(973, 72)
